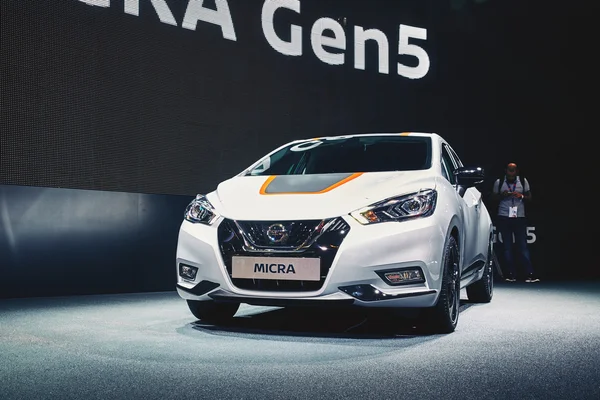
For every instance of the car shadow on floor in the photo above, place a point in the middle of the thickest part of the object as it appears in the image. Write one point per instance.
(338, 323)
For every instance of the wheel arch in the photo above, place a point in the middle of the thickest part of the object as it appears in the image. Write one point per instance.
(455, 231)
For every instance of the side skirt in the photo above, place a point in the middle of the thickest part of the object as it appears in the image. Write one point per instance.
(472, 273)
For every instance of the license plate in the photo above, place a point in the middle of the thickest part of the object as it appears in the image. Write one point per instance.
(279, 268)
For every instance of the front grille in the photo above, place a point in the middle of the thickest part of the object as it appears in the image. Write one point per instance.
(308, 238)
(285, 234)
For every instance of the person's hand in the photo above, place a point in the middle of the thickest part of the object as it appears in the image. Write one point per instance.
(518, 195)
(506, 193)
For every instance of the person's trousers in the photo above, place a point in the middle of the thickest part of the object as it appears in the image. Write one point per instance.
(517, 227)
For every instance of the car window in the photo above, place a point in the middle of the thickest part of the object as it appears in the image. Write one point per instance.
(449, 164)
(445, 172)
(348, 155)
(455, 157)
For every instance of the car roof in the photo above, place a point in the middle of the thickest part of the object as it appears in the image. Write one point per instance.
(422, 134)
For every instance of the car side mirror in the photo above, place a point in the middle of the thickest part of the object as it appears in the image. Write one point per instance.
(469, 176)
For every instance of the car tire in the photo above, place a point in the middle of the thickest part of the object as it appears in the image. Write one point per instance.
(443, 317)
(211, 311)
(482, 291)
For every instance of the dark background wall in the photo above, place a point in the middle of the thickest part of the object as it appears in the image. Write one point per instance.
(104, 107)
(73, 241)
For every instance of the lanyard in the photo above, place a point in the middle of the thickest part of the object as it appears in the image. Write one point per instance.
(514, 186)
(512, 189)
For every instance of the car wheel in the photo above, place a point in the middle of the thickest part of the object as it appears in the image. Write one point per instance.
(443, 317)
(211, 311)
(483, 290)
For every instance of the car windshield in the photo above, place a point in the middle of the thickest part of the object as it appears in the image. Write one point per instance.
(348, 155)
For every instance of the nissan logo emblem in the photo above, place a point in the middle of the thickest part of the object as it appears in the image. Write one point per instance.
(277, 233)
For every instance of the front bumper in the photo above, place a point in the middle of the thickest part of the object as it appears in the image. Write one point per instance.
(352, 278)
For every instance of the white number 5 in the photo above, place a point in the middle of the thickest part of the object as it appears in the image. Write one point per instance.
(404, 48)
(531, 238)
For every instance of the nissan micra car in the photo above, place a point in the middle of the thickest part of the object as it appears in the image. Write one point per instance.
(390, 220)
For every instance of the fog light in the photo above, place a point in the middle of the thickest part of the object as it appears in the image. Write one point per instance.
(187, 272)
(402, 276)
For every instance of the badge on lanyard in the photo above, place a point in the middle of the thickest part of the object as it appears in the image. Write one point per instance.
(512, 211)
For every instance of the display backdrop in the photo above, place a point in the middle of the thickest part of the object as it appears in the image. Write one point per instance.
(169, 97)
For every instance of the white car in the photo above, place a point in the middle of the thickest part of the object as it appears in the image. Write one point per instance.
(388, 220)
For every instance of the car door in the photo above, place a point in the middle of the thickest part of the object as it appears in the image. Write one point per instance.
(470, 199)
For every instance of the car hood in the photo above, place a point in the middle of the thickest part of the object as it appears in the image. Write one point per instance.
(318, 196)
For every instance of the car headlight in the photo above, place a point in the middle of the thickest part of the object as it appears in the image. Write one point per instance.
(420, 204)
(200, 211)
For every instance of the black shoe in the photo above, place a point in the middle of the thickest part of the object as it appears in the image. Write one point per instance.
(532, 278)
(510, 278)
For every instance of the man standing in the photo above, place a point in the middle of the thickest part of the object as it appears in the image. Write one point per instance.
(512, 191)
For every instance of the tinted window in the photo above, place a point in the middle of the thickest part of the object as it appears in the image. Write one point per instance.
(455, 156)
(447, 161)
(355, 154)
(445, 169)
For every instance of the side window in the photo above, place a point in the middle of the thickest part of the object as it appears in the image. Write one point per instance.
(448, 165)
(457, 160)
(445, 170)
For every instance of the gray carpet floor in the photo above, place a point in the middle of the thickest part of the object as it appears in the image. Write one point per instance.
(533, 341)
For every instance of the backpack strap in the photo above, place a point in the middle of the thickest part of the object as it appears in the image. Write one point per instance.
(501, 182)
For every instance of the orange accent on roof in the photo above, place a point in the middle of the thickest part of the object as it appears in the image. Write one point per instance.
(263, 188)
(405, 134)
